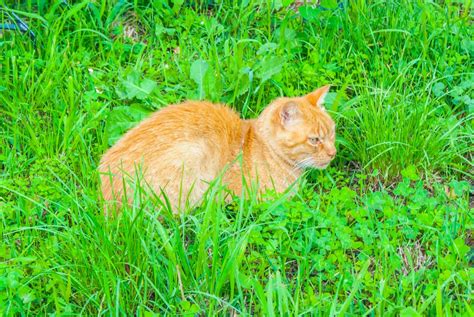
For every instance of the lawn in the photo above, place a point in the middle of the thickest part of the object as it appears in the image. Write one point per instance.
(386, 230)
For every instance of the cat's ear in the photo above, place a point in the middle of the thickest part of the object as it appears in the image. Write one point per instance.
(289, 113)
(316, 98)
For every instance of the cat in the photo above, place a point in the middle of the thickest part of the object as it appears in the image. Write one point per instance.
(181, 148)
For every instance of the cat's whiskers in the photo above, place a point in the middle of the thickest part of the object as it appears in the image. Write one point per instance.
(304, 163)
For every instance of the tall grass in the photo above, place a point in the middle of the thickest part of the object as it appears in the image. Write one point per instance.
(402, 77)
(383, 60)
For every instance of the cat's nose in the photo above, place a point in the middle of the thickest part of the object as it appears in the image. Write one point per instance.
(331, 152)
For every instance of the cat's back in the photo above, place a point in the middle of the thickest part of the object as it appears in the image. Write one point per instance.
(189, 122)
(192, 140)
(200, 117)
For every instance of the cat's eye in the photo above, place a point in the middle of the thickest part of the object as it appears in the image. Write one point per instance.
(314, 140)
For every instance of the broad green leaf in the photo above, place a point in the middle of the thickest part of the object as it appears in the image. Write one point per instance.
(139, 90)
(122, 119)
(198, 73)
(212, 85)
(309, 13)
(461, 247)
(404, 189)
(133, 87)
(411, 173)
(267, 47)
(146, 87)
(269, 67)
(459, 187)
(177, 5)
(438, 89)
(242, 84)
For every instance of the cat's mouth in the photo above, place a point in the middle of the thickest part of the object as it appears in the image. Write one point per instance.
(311, 163)
(321, 166)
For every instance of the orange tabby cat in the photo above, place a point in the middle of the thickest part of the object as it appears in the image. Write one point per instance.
(183, 147)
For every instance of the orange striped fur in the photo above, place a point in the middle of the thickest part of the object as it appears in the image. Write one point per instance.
(181, 148)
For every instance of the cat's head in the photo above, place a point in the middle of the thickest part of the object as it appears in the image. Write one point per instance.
(300, 129)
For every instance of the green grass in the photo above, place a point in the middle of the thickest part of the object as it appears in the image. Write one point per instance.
(387, 230)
